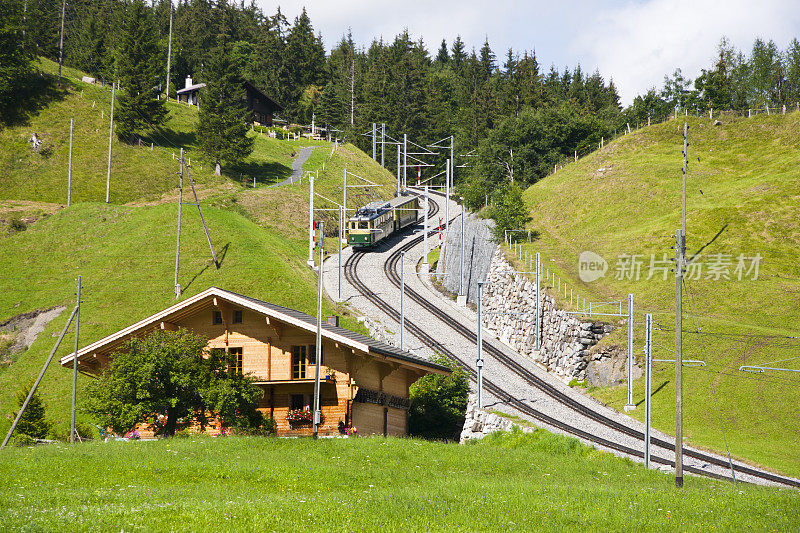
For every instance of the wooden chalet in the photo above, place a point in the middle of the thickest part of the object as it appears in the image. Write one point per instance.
(364, 382)
(262, 108)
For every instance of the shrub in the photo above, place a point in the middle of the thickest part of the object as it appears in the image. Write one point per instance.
(438, 404)
(510, 211)
(171, 377)
(33, 422)
(21, 440)
(16, 225)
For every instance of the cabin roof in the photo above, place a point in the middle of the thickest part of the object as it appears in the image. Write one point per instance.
(190, 88)
(261, 94)
(284, 314)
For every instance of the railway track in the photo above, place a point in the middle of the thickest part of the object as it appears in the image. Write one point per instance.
(390, 269)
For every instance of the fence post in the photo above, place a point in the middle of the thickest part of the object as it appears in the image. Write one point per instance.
(749, 113)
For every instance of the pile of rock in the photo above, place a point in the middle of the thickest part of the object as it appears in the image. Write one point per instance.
(479, 423)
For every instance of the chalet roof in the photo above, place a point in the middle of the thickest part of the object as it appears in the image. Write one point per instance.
(283, 314)
(261, 94)
(190, 88)
(247, 84)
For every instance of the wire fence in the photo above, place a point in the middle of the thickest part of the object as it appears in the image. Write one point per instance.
(711, 114)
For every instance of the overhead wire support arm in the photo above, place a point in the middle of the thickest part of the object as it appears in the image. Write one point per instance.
(426, 151)
(761, 369)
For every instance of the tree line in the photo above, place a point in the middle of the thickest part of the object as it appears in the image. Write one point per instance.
(766, 77)
(514, 117)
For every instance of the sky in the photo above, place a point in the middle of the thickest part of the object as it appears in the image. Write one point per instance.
(635, 43)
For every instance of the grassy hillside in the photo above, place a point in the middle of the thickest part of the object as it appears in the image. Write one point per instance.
(125, 251)
(742, 199)
(504, 483)
(137, 172)
(126, 256)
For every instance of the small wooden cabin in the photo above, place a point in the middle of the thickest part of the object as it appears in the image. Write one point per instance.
(364, 382)
(262, 108)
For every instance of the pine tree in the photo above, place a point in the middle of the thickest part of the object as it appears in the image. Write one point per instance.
(330, 112)
(304, 58)
(139, 107)
(33, 422)
(15, 59)
(792, 91)
(458, 54)
(222, 129)
(765, 74)
(442, 58)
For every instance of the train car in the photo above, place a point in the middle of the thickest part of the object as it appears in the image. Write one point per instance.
(377, 220)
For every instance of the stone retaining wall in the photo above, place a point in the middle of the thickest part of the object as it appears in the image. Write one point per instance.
(566, 340)
(479, 423)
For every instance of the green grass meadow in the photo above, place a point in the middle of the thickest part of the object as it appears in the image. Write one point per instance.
(742, 198)
(511, 482)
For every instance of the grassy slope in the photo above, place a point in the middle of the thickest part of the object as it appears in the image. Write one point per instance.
(277, 209)
(748, 174)
(125, 253)
(136, 172)
(511, 482)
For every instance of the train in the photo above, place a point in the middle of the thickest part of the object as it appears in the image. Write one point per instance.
(378, 220)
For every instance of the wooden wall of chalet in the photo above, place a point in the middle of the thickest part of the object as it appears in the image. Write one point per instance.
(267, 350)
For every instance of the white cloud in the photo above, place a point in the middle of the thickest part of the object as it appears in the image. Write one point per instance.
(637, 44)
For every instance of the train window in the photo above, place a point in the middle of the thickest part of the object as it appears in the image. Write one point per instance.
(363, 225)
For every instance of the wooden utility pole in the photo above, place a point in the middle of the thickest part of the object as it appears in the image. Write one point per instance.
(110, 138)
(38, 380)
(202, 218)
(680, 261)
(61, 44)
(69, 169)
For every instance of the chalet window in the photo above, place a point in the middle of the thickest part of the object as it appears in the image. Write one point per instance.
(297, 401)
(298, 362)
(237, 316)
(312, 354)
(236, 355)
(217, 317)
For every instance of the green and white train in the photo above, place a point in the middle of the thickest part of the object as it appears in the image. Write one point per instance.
(378, 220)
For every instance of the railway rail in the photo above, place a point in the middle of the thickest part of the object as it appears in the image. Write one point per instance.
(390, 270)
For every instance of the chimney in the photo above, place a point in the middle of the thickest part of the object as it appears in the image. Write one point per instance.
(188, 82)
(333, 320)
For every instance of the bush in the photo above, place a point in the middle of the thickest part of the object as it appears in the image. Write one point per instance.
(170, 377)
(438, 404)
(21, 440)
(16, 225)
(510, 211)
(33, 422)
